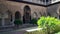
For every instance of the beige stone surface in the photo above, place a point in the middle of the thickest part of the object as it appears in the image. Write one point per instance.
(13, 7)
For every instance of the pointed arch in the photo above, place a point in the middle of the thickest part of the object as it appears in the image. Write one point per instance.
(17, 15)
(27, 14)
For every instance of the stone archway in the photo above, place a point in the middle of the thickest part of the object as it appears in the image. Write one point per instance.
(17, 15)
(27, 15)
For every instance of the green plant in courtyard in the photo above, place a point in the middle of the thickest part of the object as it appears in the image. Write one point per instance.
(18, 22)
(34, 21)
(50, 24)
(57, 33)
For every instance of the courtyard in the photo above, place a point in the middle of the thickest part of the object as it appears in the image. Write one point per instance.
(29, 17)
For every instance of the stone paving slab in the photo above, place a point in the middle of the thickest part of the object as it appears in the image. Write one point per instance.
(12, 32)
(18, 31)
(14, 28)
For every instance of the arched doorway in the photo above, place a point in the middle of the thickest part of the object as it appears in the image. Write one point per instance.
(17, 19)
(27, 15)
(17, 15)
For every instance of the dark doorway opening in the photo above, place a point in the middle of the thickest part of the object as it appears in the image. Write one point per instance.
(27, 15)
(17, 15)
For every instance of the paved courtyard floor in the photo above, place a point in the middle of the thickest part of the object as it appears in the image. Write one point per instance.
(17, 31)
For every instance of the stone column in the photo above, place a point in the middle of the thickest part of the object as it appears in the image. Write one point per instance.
(58, 15)
(22, 19)
(3, 20)
(13, 18)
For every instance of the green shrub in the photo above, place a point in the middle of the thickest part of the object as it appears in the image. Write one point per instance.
(36, 32)
(51, 24)
(18, 22)
(57, 33)
(34, 21)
